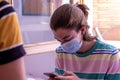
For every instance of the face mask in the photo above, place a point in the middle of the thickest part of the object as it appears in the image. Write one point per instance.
(72, 46)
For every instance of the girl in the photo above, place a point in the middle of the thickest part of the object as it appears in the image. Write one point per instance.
(81, 56)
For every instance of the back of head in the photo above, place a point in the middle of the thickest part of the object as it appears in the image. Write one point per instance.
(68, 16)
(84, 8)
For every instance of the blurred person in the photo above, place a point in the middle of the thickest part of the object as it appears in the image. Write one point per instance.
(11, 46)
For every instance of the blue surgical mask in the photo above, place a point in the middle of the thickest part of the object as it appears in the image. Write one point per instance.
(72, 46)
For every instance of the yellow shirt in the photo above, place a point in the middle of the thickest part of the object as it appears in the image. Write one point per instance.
(10, 34)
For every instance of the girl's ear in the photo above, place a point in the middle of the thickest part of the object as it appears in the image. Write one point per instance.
(83, 30)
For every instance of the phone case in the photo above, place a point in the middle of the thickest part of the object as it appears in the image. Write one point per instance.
(51, 75)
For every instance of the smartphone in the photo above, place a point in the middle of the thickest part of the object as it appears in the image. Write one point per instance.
(51, 75)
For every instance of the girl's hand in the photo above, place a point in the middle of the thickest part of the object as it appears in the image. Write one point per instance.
(52, 76)
(67, 76)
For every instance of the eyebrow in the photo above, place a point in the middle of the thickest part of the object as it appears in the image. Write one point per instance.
(64, 38)
(67, 37)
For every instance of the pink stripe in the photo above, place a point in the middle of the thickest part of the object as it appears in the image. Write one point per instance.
(95, 66)
(115, 67)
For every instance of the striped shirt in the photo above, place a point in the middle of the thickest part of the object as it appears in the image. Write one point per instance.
(11, 47)
(102, 62)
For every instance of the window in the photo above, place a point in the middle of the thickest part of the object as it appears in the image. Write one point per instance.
(36, 7)
(106, 17)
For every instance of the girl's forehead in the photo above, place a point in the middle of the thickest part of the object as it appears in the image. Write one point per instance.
(64, 32)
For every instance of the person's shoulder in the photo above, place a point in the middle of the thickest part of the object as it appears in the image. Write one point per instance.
(6, 9)
(106, 45)
(106, 48)
(1, 0)
(3, 3)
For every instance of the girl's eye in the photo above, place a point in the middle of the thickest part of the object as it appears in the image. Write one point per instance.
(59, 40)
(68, 39)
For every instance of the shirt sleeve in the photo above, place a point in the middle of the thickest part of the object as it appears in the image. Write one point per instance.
(114, 67)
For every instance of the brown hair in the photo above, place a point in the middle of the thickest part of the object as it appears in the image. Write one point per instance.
(84, 8)
(69, 16)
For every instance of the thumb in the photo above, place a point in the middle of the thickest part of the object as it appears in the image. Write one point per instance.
(68, 73)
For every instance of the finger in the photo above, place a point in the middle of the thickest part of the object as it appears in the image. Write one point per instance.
(68, 73)
(64, 77)
(51, 79)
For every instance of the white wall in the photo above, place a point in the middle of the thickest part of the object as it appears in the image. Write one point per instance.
(36, 65)
(89, 3)
(34, 28)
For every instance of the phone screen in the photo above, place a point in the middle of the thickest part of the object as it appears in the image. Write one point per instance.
(51, 75)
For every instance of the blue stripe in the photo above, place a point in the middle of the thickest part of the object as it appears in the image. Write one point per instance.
(94, 76)
(58, 71)
(107, 51)
(113, 76)
(115, 52)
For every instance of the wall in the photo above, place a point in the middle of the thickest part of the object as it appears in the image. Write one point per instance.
(36, 65)
(34, 28)
(89, 3)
